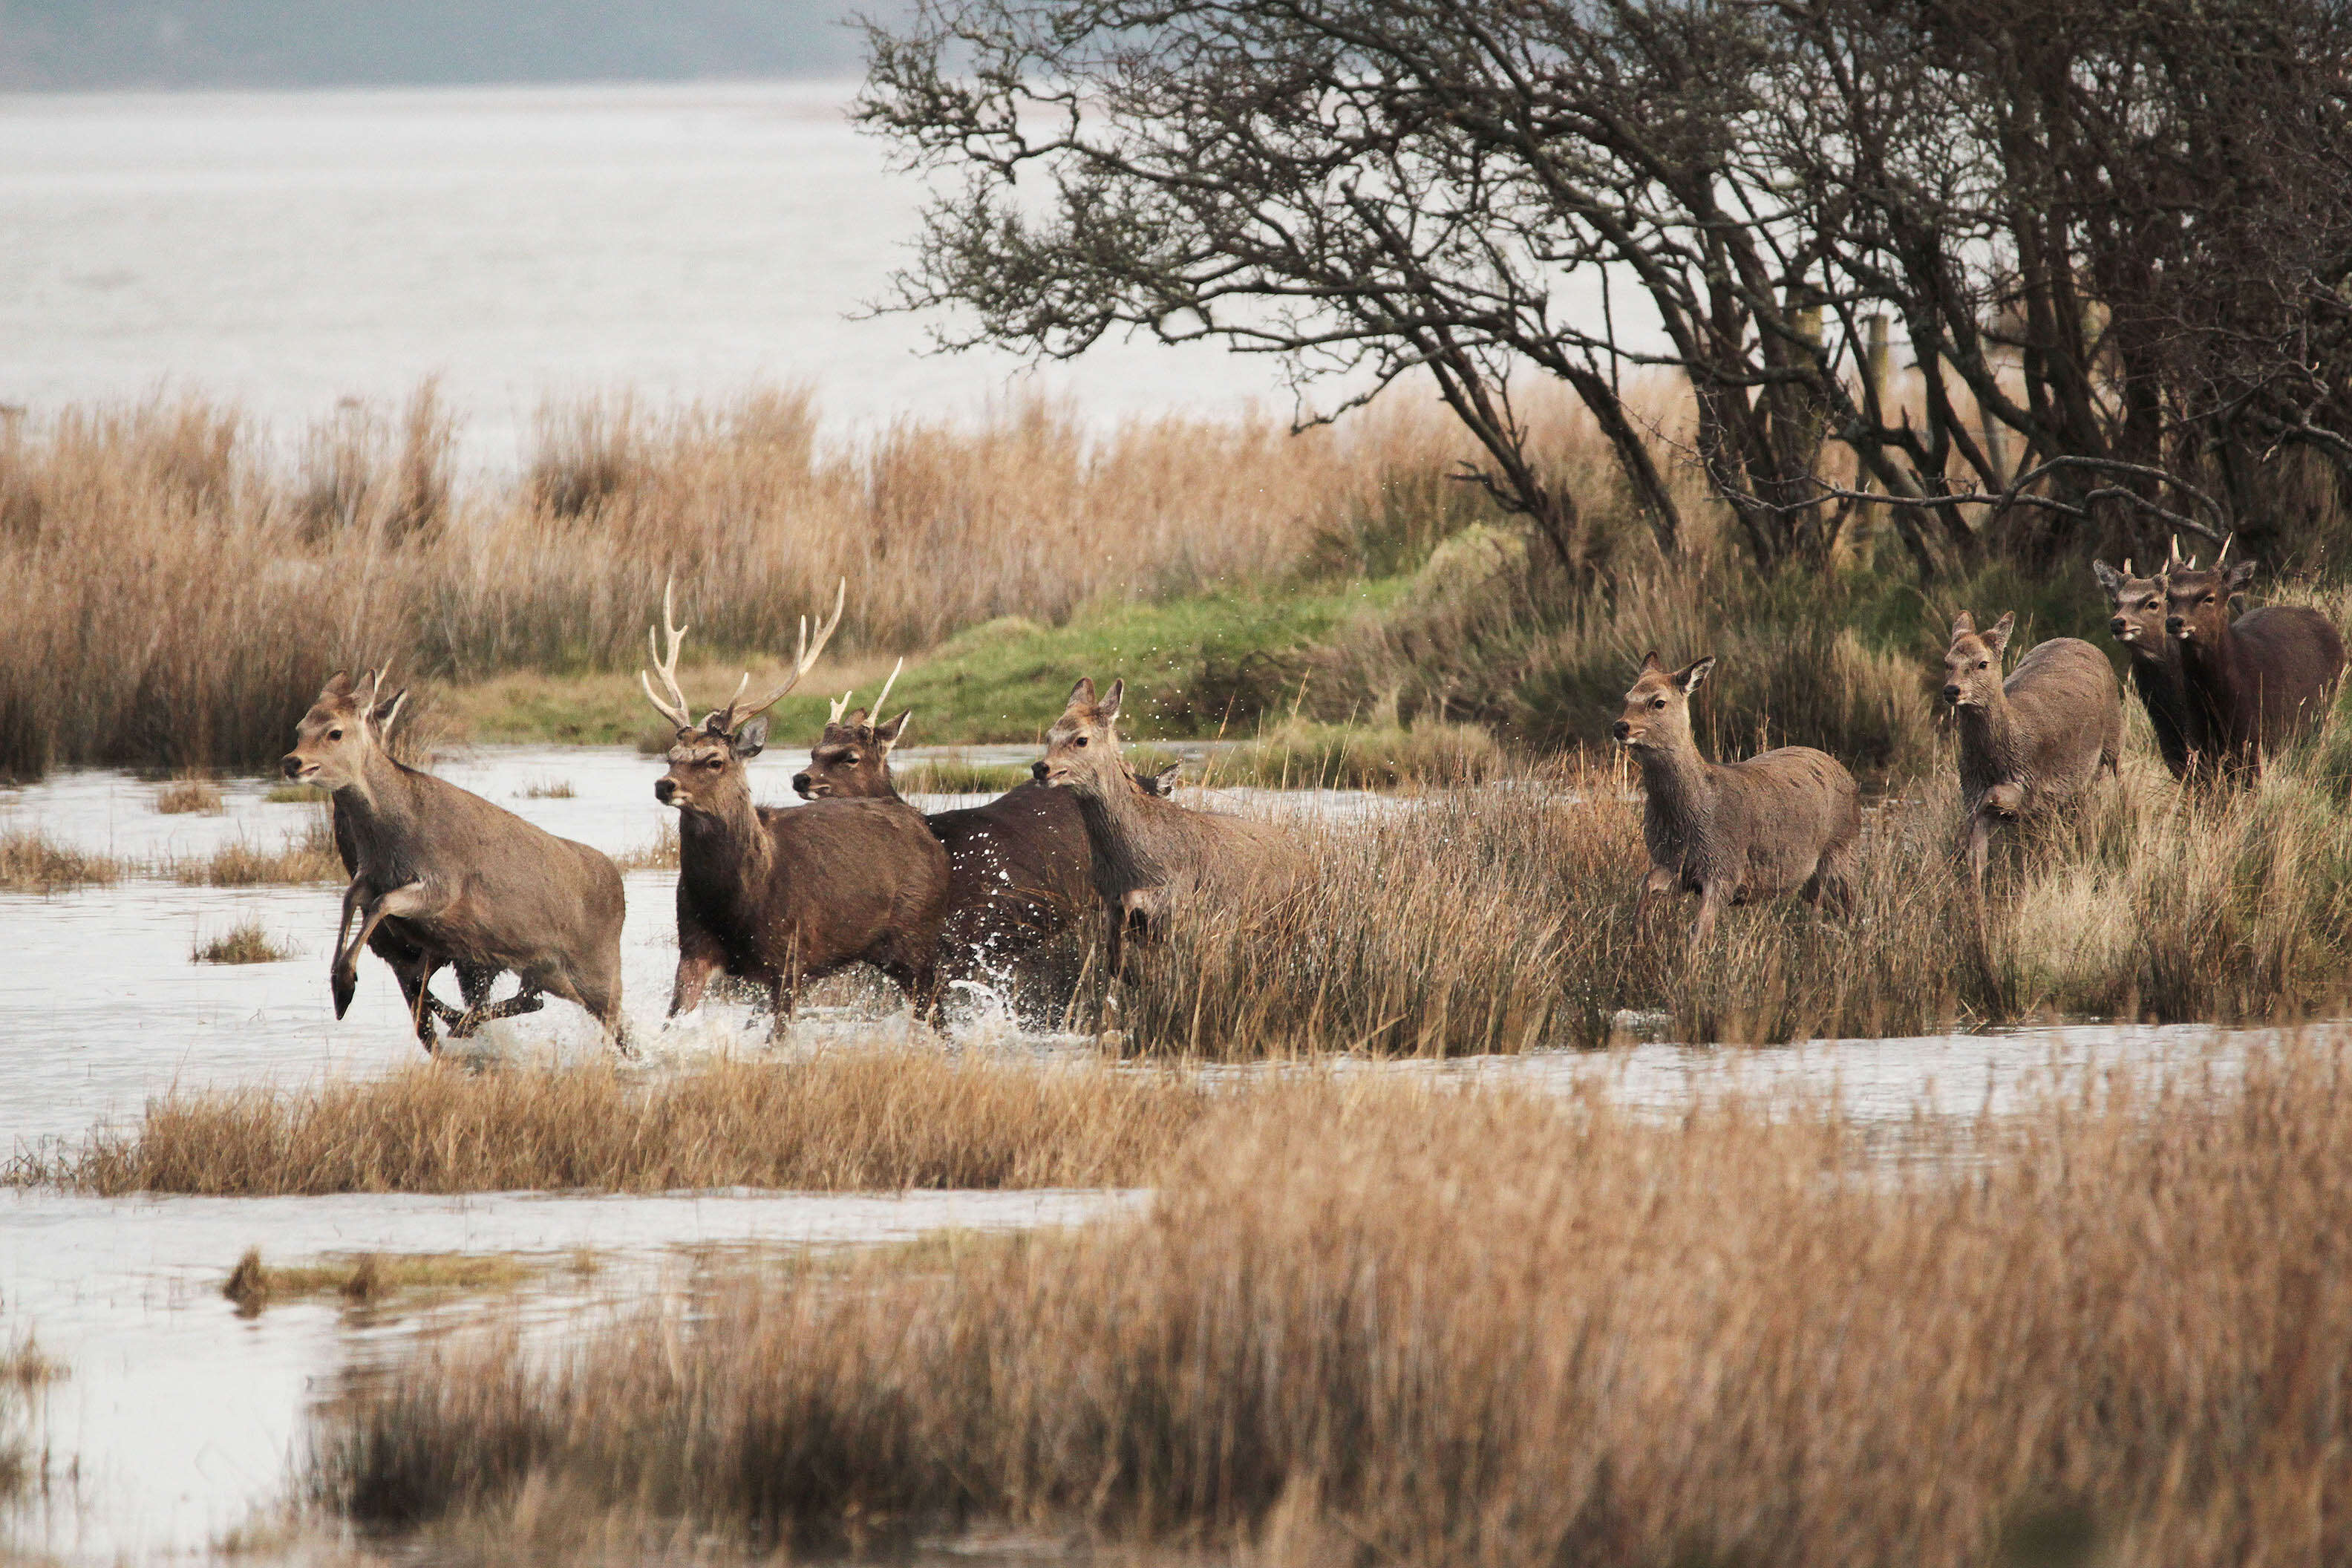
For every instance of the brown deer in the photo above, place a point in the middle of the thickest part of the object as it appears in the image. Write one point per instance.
(2254, 683)
(413, 962)
(2048, 728)
(471, 883)
(2135, 619)
(782, 895)
(1150, 854)
(1020, 871)
(1779, 822)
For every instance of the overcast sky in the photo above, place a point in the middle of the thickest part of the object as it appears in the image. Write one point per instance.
(69, 45)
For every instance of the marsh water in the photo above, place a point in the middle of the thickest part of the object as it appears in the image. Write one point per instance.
(179, 1421)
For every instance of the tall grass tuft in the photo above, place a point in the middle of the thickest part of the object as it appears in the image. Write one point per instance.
(1392, 1322)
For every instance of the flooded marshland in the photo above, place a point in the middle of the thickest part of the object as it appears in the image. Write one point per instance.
(178, 1420)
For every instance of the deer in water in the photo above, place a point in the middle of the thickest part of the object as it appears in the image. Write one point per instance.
(2135, 617)
(1020, 869)
(412, 962)
(2047, 730)
(782, 895)
(2254, 683)
(471, 883)
(1149, 853)
(1780, 822)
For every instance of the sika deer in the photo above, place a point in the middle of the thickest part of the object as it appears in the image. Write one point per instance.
(1734, 833)
(2254, 683)
(471, 883)
(412, 961)
(2048, 730)
(784, 895)
(2136, 620)
(1150, 854)
(1019, 868)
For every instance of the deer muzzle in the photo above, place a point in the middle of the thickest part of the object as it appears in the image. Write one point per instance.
(1621, 730)
(294, 768)
(665, 791)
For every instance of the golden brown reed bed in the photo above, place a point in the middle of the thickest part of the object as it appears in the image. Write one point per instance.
(858, 1119)
(175, 597)
(1392, 1322)
(1502, 918)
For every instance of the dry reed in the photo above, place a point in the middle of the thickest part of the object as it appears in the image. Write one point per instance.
(1391, 1322)
(246, 943)
(854, 1119)
(31, 863)
(193, 794)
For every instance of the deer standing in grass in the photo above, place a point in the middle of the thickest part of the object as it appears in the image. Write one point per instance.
(1150, 854)
(1780, 822)
(471, 883)
(785, 895)
(2254, 683)
(2135, 617)
(2040, 737)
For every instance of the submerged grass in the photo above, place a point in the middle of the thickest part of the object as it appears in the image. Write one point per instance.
(856, 1120)
(253, 1285)
(1392, 1321)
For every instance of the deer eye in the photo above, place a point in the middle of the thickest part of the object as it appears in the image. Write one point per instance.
(849, 760)
(712, 763)
(1984, 664)
(1077, 741)
(1657, 703)
(334, 734)
(2208, 598)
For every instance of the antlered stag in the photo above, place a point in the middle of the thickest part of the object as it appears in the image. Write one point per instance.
(2254, 683)
(1149, 853)
(784, 896)
(2135, 617)
(2047, 730)
(1780, 822)
(1019, 867)
(472, 884)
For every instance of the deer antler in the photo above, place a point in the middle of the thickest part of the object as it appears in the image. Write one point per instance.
(804, 658)
(886, 685)
(674, 708)
(839, 707)
(2127, 570)
(2225, 550)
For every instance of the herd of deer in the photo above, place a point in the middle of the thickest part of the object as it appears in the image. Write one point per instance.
(441, 877)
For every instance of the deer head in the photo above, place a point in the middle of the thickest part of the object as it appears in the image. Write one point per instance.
(342, 729)
(1082, 748)
(851, 761)
(1657, 707)
(1972, 662)
(2135, 606)
(2197, 603)
(705, 761)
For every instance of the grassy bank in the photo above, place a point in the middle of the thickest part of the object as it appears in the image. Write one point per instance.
(1400, 1323)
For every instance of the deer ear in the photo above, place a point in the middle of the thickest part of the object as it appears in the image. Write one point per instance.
(2239, 575)
(1083, 692)
(1996, 638)
(1164, 781)
(1651, 662)
(338, 684)
(1108, 709)
(2109, 578)
(886, 735)
(751, 739)
(1963, 624)
(1689, 677)
(388, 710)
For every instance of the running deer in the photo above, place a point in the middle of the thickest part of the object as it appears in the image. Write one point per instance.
(2047, 730)
(412, 959)
(787, 895)
(471, 883)
(1150, 854)
(2135, 617)
(2254, 683)
(1780, 822)
(1019, 868)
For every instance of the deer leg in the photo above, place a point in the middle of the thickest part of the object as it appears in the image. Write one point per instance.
(527, 1000)
(343, 978)
(1659, 884)
(1711, 899)
(784, 994)
(1978, 849)
(415, 984)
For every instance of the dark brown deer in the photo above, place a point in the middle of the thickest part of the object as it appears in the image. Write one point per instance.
(1784, 821)
(1150, 854)
(2254, 683)
(2135, 619)
(786, 896)
(2048, 728)
(471, 883)
(413, 962)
